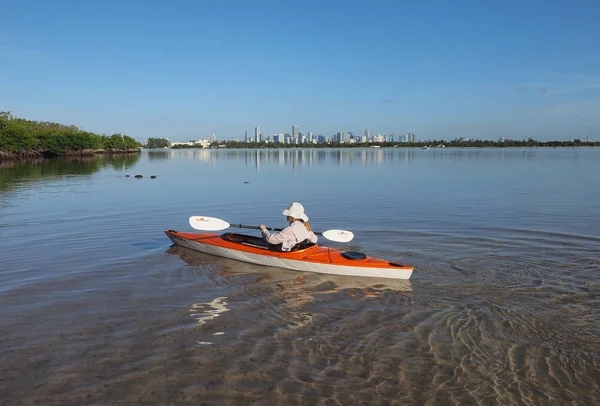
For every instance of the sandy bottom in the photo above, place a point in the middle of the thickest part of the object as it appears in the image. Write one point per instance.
(212, 331)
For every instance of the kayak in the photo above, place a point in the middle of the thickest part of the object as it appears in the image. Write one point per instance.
(311, 258)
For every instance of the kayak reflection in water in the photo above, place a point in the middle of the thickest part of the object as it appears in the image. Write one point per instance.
(298, 232)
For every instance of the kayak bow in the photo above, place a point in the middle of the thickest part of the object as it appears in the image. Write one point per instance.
(313, 258)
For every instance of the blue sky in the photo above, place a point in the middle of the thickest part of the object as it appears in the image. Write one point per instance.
(184, 69)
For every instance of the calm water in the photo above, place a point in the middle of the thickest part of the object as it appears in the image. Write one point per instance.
(503, 307)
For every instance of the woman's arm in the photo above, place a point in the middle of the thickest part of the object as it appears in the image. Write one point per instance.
(283, 236)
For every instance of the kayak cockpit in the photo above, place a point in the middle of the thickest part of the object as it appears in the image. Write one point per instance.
(252, 241)
(258, 242)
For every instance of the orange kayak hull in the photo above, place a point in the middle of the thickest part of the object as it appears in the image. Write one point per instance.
(312, 259)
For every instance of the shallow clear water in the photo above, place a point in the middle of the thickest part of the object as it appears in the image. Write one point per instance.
(96, 307)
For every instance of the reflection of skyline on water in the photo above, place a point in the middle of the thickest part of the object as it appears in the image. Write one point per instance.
(294, 157)
(297, 158)
(158, 154)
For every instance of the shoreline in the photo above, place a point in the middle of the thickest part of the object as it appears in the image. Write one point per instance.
(33, 154)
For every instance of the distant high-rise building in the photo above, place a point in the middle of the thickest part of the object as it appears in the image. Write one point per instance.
(368, 133)
(256, 134)
(212, 138)
(409, 137)
(246, 136)
(295, 133)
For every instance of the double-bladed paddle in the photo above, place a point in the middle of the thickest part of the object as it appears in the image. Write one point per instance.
(215, 224)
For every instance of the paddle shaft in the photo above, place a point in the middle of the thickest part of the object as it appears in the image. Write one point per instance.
(258, 228)
(214, 224)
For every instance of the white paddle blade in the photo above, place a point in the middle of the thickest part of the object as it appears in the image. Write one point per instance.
(338, 235)
(208, 223)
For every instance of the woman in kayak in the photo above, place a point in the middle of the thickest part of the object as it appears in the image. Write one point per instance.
(297, 232)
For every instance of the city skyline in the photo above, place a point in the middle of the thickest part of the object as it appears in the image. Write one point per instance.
(441, 70)
(296, 136)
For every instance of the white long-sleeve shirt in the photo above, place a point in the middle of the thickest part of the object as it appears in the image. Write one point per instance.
(290, 236)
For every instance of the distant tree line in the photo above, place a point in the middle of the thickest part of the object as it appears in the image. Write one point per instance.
(20, 137)
(184, 146)
(164, 143)
(530, 142)
(157, 143)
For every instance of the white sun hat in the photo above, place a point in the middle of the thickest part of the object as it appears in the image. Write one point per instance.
(296, 210)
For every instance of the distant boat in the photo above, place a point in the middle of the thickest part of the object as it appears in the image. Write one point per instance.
(425, 147)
